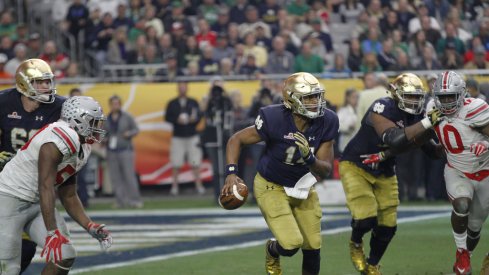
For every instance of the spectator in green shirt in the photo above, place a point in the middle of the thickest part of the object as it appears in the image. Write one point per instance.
(298, 7)
(306, 61)
(7, 26)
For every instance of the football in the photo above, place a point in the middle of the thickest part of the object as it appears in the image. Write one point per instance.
(236, 199)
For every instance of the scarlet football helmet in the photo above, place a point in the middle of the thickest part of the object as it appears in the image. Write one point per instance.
(32, 70)
(409, 92)
(85, 115)
(449, 92)
(304, 95)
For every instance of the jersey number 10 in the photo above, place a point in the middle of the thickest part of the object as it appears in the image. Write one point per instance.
(448, 130)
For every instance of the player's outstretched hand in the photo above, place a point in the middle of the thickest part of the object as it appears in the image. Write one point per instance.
(479, 148)
(99, 232)
(304, 149)
(4, 158)
(373, 160)
(52, 246)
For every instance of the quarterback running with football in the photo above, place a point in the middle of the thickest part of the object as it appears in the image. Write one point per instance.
(391, 125)
(47, 163)
(24, 109)
(298, 136)
(464, 133)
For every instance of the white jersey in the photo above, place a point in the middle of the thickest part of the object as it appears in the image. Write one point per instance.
(457, 133)
(19, 177)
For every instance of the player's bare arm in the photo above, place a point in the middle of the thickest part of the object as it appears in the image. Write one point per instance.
(246, 136)
(71, 202)
(323, 165)
(49, 159)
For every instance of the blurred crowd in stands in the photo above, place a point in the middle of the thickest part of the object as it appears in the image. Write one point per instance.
(253, 37)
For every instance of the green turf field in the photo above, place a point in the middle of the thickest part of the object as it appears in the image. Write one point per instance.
(425, 247)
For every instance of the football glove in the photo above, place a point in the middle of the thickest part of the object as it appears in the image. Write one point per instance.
(102, 235)
(4, 158)
(52, 246)
(479, 148)
(304, 149)
(373, 160)
(433, 117)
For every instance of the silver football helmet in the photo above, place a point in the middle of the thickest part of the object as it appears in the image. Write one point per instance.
(85, 116)
(449, 92)
(304, 95)
(28, 73)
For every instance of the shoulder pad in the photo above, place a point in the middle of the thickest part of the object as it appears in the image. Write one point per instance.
(476, 112)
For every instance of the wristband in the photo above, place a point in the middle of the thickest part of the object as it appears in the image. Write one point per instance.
(231, 169)
(310, 160)
(426, 123)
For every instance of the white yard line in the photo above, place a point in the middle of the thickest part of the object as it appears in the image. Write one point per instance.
(242, 245)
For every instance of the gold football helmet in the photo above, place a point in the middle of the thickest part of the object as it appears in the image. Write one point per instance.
(304, 95)
(30, 71)
(409, 92)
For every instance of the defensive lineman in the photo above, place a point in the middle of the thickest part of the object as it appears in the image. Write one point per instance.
(49, 161)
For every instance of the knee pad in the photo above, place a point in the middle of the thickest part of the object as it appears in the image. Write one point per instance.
(364, 225)
(311, 261)
(286, 252)
(461, 207)
(384, 233)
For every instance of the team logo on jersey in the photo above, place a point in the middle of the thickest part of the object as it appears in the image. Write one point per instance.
(14, 115)
(258, 122)
(311, 138)
(378, 108)
(400, 123)
(39, 118)
(289, 136)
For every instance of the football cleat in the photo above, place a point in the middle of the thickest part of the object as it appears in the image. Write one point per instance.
(272, 264)
(372, 270)
(462, 263)
(357, 256)
(485, 266)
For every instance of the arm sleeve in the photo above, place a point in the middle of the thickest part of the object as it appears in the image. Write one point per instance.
(261, 125)
(134, 129)
(171, 115)
(66, 140)
(331, 127)
(478, 113)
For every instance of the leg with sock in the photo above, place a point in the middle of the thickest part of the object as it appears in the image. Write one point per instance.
(459, 221)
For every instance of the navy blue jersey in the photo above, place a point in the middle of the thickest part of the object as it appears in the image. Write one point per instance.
(282, 163)
(366, 141)
(17, 125)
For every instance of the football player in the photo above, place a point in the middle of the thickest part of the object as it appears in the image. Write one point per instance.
(464, 133)
(24, 109)
(298, 136)
(391, 125)
(48, 162)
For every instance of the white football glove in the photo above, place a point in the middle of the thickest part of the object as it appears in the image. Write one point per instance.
(103, 235)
